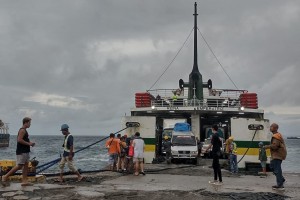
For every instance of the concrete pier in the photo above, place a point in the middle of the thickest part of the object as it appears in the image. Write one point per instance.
(161, 182)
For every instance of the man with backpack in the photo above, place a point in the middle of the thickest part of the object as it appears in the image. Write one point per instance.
(278, 154)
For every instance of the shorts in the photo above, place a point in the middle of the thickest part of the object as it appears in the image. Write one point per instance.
(263, 164)
(70, 164)
(113, 158)
(23, 158)
(138, 159)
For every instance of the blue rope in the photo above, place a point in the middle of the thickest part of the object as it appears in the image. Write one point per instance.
(99, 141)
(47, 165)
(53, 162)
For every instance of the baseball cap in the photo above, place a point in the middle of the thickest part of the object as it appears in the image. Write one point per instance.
(64, 126)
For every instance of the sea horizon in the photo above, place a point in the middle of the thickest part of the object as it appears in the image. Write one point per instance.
(49, 147)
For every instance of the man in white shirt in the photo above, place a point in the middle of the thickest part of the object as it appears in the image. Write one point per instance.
(138, 156)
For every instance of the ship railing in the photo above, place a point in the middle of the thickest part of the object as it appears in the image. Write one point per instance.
(4, 128)
(221, 98)
(166, 93)
(183, 102)
(229, 93)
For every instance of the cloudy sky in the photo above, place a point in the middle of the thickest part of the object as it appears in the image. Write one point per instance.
(81, 62)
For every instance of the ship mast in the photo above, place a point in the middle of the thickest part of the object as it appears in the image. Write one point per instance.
(195, 66)
(195, 78)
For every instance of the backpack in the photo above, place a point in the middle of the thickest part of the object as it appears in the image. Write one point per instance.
(123, 149)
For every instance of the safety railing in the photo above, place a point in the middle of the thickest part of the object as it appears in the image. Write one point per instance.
(212, 98)
(4, 128)
(181, 102)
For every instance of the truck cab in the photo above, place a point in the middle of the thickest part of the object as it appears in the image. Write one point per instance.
(184, 143)
(168, 126)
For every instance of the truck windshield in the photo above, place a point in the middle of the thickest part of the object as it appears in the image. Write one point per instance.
(186, 140)
(220, 133)
(167, 132)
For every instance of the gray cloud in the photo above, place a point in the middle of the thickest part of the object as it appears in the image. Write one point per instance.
(80, 62)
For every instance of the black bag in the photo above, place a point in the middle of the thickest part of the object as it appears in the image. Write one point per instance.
(123, 150)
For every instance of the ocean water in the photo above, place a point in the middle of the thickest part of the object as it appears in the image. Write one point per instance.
(291, 164)
(49, 148)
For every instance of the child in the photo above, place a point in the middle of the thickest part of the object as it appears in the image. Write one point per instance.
(123, 148)
(262, 157)
(233, 156)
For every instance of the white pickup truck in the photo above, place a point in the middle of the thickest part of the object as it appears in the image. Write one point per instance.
(184, 143)
(168, 126)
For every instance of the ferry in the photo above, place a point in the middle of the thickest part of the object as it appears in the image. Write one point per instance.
(198, 103)
(293, 137)
(4, 135)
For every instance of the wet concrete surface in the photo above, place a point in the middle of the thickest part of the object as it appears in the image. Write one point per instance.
(162, 182)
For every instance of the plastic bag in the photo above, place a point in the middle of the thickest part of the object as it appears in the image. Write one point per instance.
(131, 151)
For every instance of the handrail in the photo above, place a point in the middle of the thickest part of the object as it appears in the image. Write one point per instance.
(208, 93)
(4, 128)
(212, 98)
(182, 102)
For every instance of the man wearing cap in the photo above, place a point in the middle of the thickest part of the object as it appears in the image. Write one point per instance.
(68, 154)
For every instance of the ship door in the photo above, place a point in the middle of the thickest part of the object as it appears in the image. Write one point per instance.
(158, 138)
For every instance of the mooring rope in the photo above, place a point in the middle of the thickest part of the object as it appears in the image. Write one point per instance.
(55, 161)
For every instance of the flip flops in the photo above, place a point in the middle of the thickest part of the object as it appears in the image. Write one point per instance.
(5, 183)
(80, 179)
(26, 184)
(59, 180)
(137, 173)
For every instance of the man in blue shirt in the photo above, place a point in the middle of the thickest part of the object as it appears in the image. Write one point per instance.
(68, 154)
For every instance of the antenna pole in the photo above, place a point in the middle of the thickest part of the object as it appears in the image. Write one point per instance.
(195, 77)
(195, 66)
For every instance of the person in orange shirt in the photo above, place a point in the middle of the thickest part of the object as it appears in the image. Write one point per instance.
(113, 146)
